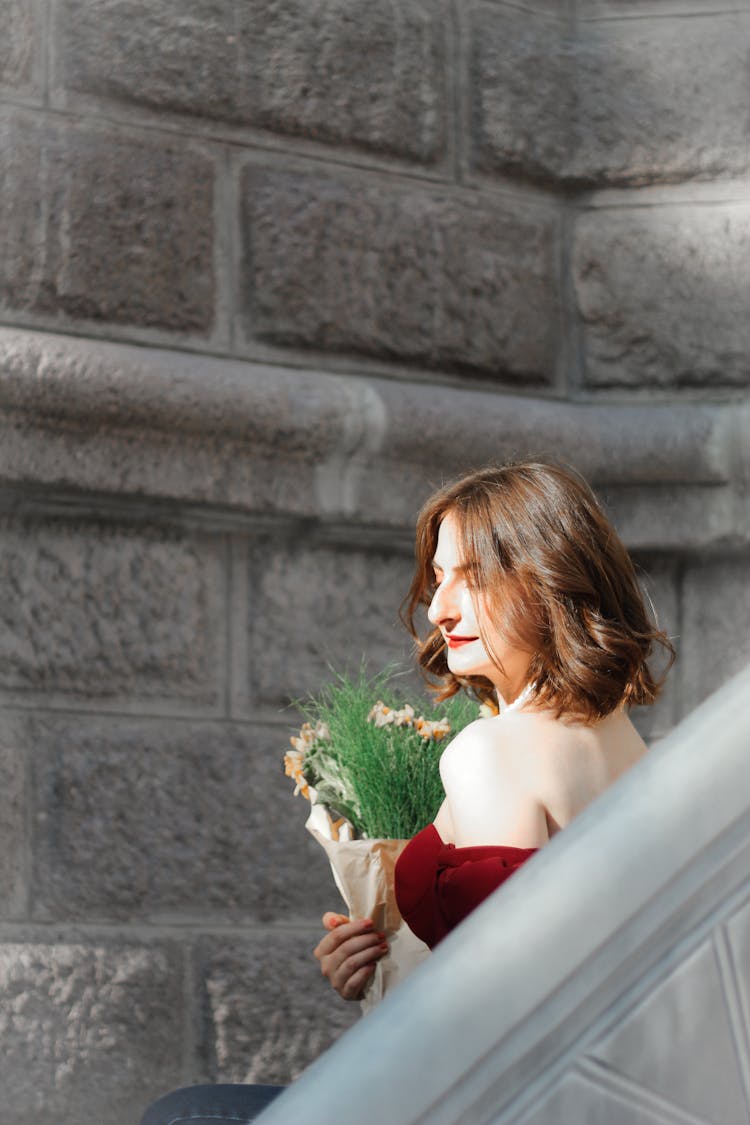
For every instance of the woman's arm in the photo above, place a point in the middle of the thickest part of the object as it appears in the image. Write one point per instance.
(444, 823)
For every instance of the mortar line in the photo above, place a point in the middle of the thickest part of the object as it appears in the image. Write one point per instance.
(233, 234)
(654, 14)
(27, 860)
(189, 1059)
(47, 23)
(459, 115)
(193, 927)
(228, 622)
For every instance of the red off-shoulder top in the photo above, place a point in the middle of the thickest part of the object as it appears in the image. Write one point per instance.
(438, 884)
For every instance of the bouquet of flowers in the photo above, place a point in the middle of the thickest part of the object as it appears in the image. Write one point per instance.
(368, 764)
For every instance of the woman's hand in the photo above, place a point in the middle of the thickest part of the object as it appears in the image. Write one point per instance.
(348, 953)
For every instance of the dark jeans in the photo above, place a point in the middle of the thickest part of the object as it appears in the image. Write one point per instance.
(206, 1105)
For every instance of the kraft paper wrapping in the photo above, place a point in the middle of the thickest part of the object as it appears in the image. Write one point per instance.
(363, 871)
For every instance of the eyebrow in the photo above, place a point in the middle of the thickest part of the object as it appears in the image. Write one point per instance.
(459, 569)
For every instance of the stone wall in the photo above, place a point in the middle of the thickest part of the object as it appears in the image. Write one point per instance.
(269, 271)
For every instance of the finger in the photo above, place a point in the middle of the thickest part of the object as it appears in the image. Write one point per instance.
(332, 920)
(336, 947)
(355, 986)
(341, 934)
(351, 966)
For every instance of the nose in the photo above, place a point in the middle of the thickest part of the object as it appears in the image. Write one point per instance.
(443, 609)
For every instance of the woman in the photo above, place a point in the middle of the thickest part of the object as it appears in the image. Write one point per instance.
(533, 600)
(535, 607)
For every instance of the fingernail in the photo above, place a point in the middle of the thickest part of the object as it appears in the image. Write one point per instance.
(383, 947)
(381, 936)
(367, 923)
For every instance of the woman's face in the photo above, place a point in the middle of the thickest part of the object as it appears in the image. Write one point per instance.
(454, 611)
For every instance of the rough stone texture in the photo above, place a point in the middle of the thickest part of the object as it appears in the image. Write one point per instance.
(136, 421)
(90, 1033)
(346, 266)
(19, 20)
(676, 518)
(92, 611)
(13, 848)
(611, 103)
(716, 625)
(135, 463)
(67, 380)
(311, 609)
(519, 126)
(170, 821)
(365, 73)
(267, 1011)
(178, 55)
(21, 190)
(663, 295)
(98, 226)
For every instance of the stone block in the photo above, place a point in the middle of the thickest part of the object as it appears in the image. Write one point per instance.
(164, 822)
(99, 226)
(267, 1010)
(347, 71)
(675, 518)
(517, 125)
(663, 99)
(631, 101)
(715, 625)
(109, 613)
(312, 609)
(90, 1032)
(169, 55)
(662, 294)
(19, 42)
(353, 71)
(404, 275)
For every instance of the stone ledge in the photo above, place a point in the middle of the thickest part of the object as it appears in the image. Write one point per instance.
(136, 422)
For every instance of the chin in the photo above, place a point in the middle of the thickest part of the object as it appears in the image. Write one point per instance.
(465, 667)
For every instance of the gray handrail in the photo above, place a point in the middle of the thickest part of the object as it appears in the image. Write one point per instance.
(503, 998)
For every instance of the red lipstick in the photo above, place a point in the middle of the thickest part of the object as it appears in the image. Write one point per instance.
(455, 641)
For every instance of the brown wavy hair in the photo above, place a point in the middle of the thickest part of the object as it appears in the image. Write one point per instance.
(550, 569)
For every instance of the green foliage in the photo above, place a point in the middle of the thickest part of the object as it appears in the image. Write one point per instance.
(384, 779)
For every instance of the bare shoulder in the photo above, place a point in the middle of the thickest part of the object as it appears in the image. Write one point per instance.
(527, 749)
(496, 749)
(470, 747)
(487, 788)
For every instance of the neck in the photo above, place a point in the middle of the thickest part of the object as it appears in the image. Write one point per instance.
(513, 701)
